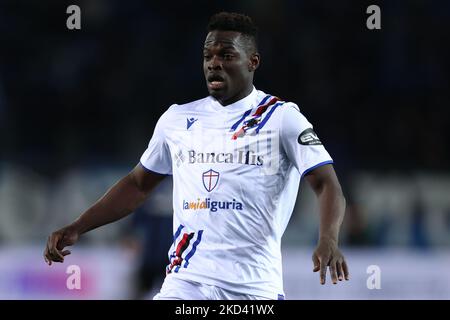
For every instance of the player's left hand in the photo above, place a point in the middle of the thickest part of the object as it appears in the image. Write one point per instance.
(327, 254)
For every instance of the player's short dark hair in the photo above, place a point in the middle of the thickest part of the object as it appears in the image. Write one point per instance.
(232, 21)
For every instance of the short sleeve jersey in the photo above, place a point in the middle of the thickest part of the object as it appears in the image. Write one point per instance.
(236, 172)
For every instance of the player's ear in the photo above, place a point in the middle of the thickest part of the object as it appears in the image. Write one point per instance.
(254, 61)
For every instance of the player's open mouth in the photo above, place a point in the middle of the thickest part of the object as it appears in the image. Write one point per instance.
(216, 82)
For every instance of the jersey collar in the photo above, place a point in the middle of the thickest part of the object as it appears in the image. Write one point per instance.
(244, 104)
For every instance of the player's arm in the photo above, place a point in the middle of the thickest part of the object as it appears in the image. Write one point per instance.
(325, 184)
(119, 201)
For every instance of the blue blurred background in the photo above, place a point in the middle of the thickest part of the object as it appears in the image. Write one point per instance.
(78, 107)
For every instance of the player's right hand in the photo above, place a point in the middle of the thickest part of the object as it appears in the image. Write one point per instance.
(328, 255)
(57, 241)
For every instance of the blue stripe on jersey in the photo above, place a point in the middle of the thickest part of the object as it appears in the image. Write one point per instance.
(175, 236)
(177, 233)
(240, 120)
(262, 123)
(316, 166)
(234, 127)
(194, 248)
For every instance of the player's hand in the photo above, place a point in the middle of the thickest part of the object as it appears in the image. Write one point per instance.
(57, 241)
(327, 254)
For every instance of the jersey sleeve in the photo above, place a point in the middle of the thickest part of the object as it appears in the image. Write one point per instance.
(157, 157)
(301, 144)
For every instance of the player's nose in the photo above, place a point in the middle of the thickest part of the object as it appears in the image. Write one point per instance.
(214, 63)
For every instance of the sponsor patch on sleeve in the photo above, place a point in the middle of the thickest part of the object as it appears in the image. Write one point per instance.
(309, 138)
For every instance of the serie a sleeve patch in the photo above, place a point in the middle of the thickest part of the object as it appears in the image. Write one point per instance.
(308, 138)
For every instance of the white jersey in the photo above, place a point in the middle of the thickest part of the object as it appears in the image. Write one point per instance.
(236, 173)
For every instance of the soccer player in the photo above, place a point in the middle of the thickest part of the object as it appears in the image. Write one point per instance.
(237, 158)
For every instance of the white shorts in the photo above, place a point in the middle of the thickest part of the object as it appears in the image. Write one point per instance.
(179, 289)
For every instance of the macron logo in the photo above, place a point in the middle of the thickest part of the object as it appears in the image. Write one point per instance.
(190, 122)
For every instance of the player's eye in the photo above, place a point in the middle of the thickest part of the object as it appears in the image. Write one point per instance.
(206, 56)
(228, 56)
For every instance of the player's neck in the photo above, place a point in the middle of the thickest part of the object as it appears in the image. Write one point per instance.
(241, 95)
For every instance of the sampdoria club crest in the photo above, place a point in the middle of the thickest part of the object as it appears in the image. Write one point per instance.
(210, 179)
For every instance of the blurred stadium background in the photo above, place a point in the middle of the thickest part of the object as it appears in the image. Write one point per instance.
(77, 109)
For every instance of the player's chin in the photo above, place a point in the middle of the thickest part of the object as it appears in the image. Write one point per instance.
(218, 94)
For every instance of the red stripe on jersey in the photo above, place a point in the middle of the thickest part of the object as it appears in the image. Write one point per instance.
(264, 107)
